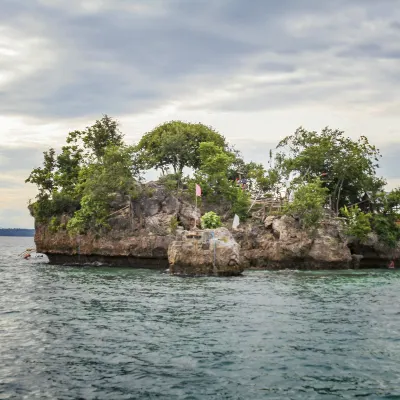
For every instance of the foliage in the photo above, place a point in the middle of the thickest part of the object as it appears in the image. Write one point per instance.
(240, 200)
(43, 177)
(98, 185)
(54, 224)
(210, 220)
(95, 167)
(176, 144)
(92, 169)
(347, 167)
(92, 215)
(358, 223)
(170, 181)
(59, 204)
(173, 224)
(68, 165)
(214, 181)
(386, 228)
(308, 202)
(96, 138)
(386, 207)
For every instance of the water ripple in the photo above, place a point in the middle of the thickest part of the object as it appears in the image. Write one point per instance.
(106, 333)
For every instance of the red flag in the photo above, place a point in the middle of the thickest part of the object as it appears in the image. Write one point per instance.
(198, 190)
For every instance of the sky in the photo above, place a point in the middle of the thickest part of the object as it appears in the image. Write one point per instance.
(254, 70)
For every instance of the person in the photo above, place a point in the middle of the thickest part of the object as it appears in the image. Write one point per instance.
(27, 256)
(391, 264)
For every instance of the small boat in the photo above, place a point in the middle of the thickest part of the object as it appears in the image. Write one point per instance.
(30, 253)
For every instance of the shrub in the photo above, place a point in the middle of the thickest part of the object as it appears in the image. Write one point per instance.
(240, 203)
(308, 202)
(54, 224)
(357, 223)
(45, 208)
(170, 181)
(387, 230)
(173, 224)
(210, 220)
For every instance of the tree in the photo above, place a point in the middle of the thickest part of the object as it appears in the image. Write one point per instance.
(99, 183)
(68, 163)
(357, 223)
(43, 178)
(96, 138)
(92, 168)
(176, 144)
(346, 167)
(308, 202)
(385, 217)
(213, 177)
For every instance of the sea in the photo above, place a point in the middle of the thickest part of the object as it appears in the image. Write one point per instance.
(120, 333)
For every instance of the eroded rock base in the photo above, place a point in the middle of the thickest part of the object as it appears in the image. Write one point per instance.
(97, 260)
(207, 252)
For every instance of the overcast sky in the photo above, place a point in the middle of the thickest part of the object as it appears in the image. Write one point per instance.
(255, 70)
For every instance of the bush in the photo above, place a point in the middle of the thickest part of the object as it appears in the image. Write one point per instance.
(240, 203)
(46, 208)
(173, 224)
(170, 181)
(210, 220)
(387, 230)
(357, 223)
(308, 202)
(92, 215)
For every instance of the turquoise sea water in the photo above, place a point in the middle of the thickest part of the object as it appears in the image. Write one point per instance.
(106, 333)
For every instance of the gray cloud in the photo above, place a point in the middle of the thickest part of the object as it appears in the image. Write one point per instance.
(23, 158)
(128, 57)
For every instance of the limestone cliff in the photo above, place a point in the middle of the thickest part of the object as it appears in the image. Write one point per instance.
(281, 243)
(139, 235)
(142, 232)
(207, 252)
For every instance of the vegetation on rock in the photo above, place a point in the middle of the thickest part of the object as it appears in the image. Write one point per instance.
(313, 175)
(358, 224)
(308, 203)
(210, 220)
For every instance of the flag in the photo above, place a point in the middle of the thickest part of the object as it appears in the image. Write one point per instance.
(198, 190)
(236, 221)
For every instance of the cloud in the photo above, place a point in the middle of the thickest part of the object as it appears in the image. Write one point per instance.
(128, 56)
(21, 158)
(254, 70)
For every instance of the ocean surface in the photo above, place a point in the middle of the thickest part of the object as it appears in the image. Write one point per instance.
(107, 333)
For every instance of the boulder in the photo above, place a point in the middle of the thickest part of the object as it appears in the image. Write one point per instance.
(280, 242)
(375, 253)
(207, 252)
(188, 214)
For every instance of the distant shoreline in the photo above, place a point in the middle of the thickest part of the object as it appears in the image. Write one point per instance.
(17, 232)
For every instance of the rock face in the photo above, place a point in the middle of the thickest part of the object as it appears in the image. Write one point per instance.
(281, 243)
(208, 252)
(139, 236)
(142, 230)
(372, 253)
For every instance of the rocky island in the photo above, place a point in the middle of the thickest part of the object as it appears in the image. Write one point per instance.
(305, 212)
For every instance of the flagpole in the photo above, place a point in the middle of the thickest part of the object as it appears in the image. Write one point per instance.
(197, 193)
(195, 219)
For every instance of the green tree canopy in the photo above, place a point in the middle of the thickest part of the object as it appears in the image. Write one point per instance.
(93, 168)
(176, 144)
(98, 185)
(96, 138)
(346, 166)
(43, 177)
(213, 176)
(308, 202)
